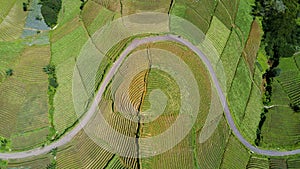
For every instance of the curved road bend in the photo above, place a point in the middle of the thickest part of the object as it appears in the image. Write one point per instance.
(86, 118)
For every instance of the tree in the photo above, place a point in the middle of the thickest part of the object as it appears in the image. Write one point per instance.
(281, 31)
(50, 10)
(25, 6)
(49, 69)
(9, 72)
(295, 107)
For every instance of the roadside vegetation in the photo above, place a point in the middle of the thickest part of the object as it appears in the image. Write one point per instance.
(52, 79)
(280, 39)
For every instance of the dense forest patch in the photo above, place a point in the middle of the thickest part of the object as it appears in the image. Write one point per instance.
(50, 10)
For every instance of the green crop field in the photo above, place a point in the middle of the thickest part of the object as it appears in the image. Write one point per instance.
(198, 14)
(285, 91)
(34, 162)
(210, 153)
(239, 92)
(226, 12)
(70, 9)
(64, 52)
(233, 150)
(257, 163)
(9, 55)
(27, 109)
(293, 163)
(244, 19)
(218, 35)
(231, 56)
(132, 6)
(95, 16)
(277, 163)
(252, 115)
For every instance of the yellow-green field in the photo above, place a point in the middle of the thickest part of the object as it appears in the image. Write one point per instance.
(12, 22)
(24, 102)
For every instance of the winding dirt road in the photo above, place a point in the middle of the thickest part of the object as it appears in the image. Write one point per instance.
(89, 114)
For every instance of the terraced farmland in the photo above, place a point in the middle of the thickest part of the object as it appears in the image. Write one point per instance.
(198, 14)
(12, 24)
(63, 56)
(95, 16)
(252, 46)
(24, 96)
(5, 8)
(228, 26)
(131, 6)
(210, 153)
(235, 149)
(35, 162)
(240, 90)
(226, 12)
(10, 54)
(285, 91)
(257, 163)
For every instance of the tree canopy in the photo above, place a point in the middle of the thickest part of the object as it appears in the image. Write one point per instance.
(50, 10)
(280, 21)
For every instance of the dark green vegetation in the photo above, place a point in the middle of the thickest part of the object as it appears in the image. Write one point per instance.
(50, 71)
(280, 40)
(50, 10)
(9, 72)
(285, 92)
(4, 144)
(3, 163)
(281, 30)
(53, 163)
